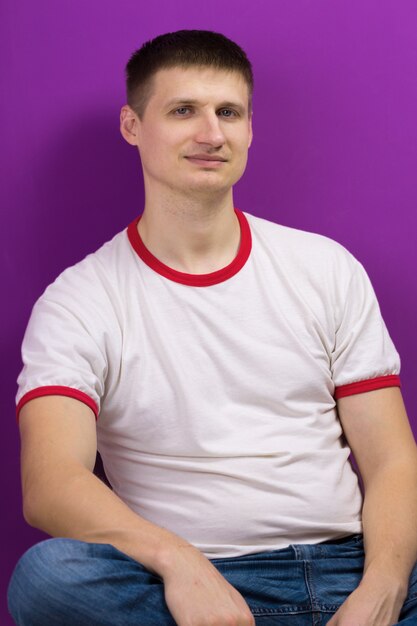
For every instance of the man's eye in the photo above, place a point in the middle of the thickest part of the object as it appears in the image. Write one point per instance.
(228, 113)
(182, 111)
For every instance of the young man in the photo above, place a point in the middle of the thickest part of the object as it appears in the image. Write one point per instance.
(227, 360)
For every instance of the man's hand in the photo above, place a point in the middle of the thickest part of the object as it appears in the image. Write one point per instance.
(198, 595)
(373, 603)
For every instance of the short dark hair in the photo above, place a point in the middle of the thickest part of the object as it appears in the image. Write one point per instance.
(183, 48)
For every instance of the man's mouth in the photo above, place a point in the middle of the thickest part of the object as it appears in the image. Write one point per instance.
(206, 159)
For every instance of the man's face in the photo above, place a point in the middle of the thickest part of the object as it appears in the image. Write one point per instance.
(195, 132)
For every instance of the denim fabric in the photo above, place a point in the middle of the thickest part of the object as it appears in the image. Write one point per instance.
(63, 582)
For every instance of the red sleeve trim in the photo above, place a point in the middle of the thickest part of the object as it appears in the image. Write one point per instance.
(57, 390)
(367, 385)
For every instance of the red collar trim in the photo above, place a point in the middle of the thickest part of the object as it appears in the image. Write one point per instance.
(195, 280)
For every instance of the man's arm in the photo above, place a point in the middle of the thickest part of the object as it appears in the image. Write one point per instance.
(62, 497)
(377, 429)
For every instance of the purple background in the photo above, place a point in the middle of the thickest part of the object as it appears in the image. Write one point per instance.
(335, 152)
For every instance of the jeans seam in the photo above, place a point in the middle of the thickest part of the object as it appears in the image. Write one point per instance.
(288, 610)
(309, 584)
(315, 611)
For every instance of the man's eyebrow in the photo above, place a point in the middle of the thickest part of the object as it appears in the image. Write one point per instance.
(181, 101)
(223, 105)
(234, 105)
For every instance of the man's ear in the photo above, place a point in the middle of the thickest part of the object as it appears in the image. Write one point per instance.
(250, 130)
(129, 125)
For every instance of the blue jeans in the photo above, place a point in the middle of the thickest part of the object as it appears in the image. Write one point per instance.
(63, 582)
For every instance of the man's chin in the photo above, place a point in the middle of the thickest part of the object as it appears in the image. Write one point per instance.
(209, 191)
(210, 184)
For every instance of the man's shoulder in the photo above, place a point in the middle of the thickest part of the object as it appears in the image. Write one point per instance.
(301, 247)
(93, 277)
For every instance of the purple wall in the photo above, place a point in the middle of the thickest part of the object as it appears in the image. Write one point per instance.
(335, 152)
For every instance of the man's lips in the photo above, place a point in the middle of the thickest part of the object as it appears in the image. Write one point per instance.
(206, 160)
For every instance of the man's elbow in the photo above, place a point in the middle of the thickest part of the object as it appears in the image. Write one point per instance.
(33, 506)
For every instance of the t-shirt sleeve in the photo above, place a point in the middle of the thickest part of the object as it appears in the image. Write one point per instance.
(62, 352)
(364, 357)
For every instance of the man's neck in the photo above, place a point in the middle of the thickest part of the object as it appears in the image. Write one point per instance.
(196, 237)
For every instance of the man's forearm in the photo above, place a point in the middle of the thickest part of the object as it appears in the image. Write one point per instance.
(74, 503)
(390, 523)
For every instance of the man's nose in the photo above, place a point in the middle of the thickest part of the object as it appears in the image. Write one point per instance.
(209, 130)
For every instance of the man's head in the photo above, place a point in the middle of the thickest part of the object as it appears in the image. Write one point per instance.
(183, 49)
(189, 114)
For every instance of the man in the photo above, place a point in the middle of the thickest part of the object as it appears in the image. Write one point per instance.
(222, 356)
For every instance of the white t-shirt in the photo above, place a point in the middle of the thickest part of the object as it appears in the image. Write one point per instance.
(215, 393)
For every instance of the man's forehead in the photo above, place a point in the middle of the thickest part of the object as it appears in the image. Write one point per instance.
(192, 83)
